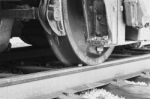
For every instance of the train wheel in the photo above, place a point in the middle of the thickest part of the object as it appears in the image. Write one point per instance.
(73, 48)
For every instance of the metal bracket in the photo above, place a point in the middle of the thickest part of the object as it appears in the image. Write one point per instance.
(96, 24)
(99, 41)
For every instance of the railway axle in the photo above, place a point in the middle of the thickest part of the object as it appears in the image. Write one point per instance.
(22, 14)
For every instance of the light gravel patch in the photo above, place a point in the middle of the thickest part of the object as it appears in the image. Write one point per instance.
(137, 83)
(100, 94)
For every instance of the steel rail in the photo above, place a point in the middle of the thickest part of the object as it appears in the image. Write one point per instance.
(42, 84)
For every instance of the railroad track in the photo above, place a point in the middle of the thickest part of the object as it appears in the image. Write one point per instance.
(62, 82)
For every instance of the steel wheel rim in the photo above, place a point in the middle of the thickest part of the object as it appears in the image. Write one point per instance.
(81, 55)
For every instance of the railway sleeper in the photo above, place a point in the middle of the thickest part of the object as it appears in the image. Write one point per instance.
(142, 78)
(69, 97)
(129, 91)
(134, 88)
(121, 88)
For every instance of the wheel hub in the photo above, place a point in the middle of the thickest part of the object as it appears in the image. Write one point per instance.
(50, 15)
(54, 17)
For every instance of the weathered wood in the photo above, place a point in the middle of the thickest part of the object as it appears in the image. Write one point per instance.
(130, 91)
(69, 97)
(143, 78)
